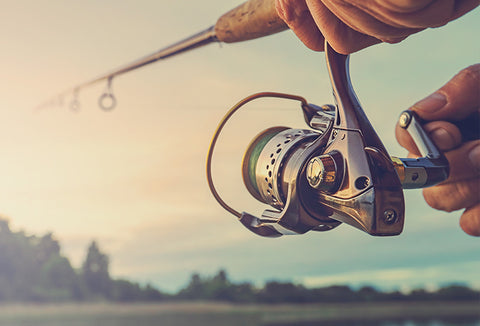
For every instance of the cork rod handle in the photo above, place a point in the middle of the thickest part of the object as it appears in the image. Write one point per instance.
(250, 20)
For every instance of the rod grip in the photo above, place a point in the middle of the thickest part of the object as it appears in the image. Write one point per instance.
(250, 20)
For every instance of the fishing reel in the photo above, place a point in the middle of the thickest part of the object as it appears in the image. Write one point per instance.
(336, 171)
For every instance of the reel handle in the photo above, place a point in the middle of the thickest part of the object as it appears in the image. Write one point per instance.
(250, 20)
(426, 171)
(432, 167)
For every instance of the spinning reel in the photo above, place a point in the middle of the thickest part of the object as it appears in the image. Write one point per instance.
(336, 171)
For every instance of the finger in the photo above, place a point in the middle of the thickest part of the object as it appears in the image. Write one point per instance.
(459, 7)
(450, 197)
(404, 6)
(464, 6)
(339, 35)
(464, 162)
(363, 17)
(456, 100)
(462, 188)
(470, 221)
(416, 14)
(296, 15)
(444, 134)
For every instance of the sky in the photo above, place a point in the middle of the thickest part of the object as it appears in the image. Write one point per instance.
(133, 179)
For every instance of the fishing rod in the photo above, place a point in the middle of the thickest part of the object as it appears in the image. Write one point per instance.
(250, 20)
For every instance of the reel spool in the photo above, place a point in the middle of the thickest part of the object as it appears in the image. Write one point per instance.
(265, 165)
(277, 157)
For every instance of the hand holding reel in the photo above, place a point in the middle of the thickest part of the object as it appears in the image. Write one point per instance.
(337, 171)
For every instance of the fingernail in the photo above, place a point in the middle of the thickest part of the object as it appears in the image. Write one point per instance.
(474, 157)
(433, 103)
(443, 138)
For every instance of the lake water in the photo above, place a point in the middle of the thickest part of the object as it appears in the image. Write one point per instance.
(459, 322)
(222, 314)
(210, 321)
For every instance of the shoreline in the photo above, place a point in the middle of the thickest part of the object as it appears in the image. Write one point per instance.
(278, 313)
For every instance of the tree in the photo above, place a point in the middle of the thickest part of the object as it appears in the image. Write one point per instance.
(194, 290)
(243, 292)
(219, 288)
(276, 292)
(58, 281)
(18, 268)
(33, 269)
(4, 227)
(46, 247)
(95, 271)
(152, 294)
(456, 292)
(369, 293)
(126, 291)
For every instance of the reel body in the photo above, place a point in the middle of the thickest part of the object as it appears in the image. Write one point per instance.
(336, 171)
(316, 179)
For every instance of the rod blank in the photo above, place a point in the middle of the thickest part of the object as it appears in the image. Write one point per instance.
(250, 20)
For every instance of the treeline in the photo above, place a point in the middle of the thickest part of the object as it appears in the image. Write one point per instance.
(219, 288)
(32, 269)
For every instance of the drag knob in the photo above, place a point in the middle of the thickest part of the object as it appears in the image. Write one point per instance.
(323, 173)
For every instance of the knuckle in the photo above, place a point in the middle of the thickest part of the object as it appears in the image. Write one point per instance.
(470, 74)
(434, 200)
(453, 196)
(293, 13)
(470, 221)
(342, 47)
(281, 7)
(463, 192)
(394, 39)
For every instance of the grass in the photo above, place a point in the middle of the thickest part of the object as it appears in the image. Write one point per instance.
(213, 314)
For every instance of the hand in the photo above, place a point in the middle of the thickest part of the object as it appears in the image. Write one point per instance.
(351, 25)
(456, 100)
